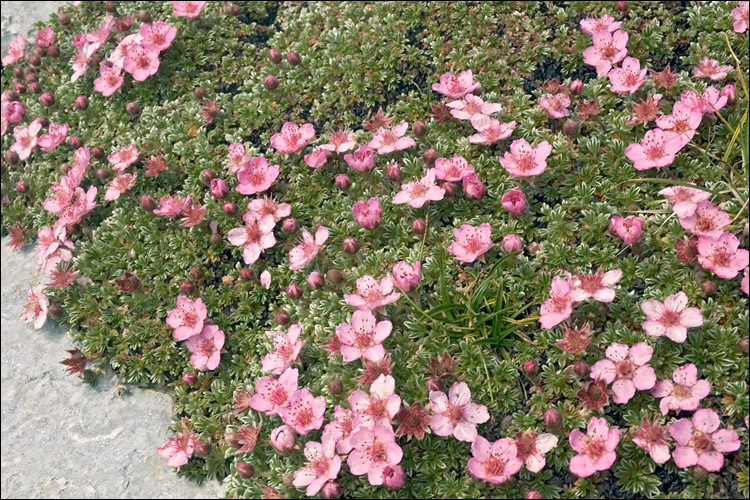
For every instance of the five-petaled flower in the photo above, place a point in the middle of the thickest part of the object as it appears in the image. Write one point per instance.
(455, 414)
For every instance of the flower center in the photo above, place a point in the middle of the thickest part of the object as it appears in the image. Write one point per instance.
(682, 391)
(494, 466)
(670, 318)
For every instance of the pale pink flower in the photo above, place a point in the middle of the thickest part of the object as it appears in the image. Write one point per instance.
(254, 237)
(380, 406)
(110, 80)
(119, 185)
(627, 78)
(158, 35)
(531, 448)
(322, 465)
(627, 369)
(374, 450)
(684, 200)
(710, 68)
(54, 137)
(388, 140)
(266, 205)
(238, 159)
(12, 111)
(141, 62)
(701, 442)
(455, 414)
(340, 429)
(123, 158)
(683, 392)
(473, 186)
(514, 201)
(179, 448)
(363, 337)
(453, 170)
(709, 101)
(417, 193)
(597, 285)
(362, 159)
(81, 204)
(272, 394)
(524, 161)
(96, 38)
(722, 255)
(652, 437)
(471, 243)
(52, 248)
(26, 139)
(117, 57)
(608, 49)
(591, 26)
(559, 306)
(45, 37)
(341, 141)
(256, 176)
(512, 243)
(628, 228)
(740, 16)
(265, 279)
(657, 149)
(317, 158)
(81, 62)
(406, 277)
(473, 108)
(192, 213)
(170, 206)
(494, 462)
(596, 449)
(745, 283)
(490, 130)
(286, 349)
(189, 10)
(305, 252)
(671, 318)
(15, 51)
(575, 340)
(707, 220)
(556, 105)
(303, 412)
(80, 164)
(187, 318)
(292, 137)
(367, 214)
(35, 309)
(372, 294)
(456, 86)
(206, 348)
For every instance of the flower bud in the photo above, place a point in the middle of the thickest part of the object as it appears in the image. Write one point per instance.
(434, 384)
(581, 368)
(189, 378)
(514, 201)
(103, 174)
(533, 495)
(200, 94)
(430, 156)
(419, 128)
(202, 448)
(282, 317)
(96, 59)
(287, 479)
(419, 226)
(293, 58)
(22, 187)
(245, 470)
(234, 10)
(512, 243)
(265, 279)
(74, 229)
(394, 172)
(450, 188)
(207, 175)
(350, 245)
(97, 152)
(233, 439)
(274, 55)
(10, 95)
(12, 157)
(331, 490)
(282, 438)
(570, 127)
(576, 87)
(17, 72)
(20, 87)
(394, 477)
(534, 247)
(270, 82)
(187, 287)
(144, 16)
(148, 203)
(343, 182)
(335, 276)
(294, 291)
(133, 108)
(55, 311)
(709, 287)
(552, 419)
(35, 60)
(744, 345)
(336, 387)
(699, 472)
(229, 208)
(219, 188)
(315, 280)
(31, 78)
(53, 51)
(43, 121)
(621, 6)
(731, 93)
(473, 187)
(530, 368)
(246, 274)
(40, 51)
(75, 142)
(35, 88)
(290, 226)
(82, 102)
(110, 7)
(196, 272)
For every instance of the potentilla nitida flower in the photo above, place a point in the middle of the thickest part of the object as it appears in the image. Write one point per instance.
(246, 437)
(271, 394)
(141, 62)
(380, 405)
(360, 160)
(187, 318)
(340, 428)
(292, 137)
(514, 201)
(266, 205)
(26, 139)
(206, 348)
(363, 337)
(490, 130)
(374, 450)
(120, 185)
(416, 194)
(683, 392)
(455, 414)
(684, 199)
(341, 141)
(54, 137)
(671, 318)
(453, 169)
(179, 448)
(412, 421)
(189, 10)
(608, 49)
(531, 448)
(471, 243)
(597, 286)
(304, 412)
(389, 140)
(35, 310)
(158, 35)
(653, 438)
(494, 462)
(372, 294)
(256, 176)
(15, 51)
(591, 25)
(740, 15)
(456, 87)
(371, 370)
(304, 253)
(627, 78)
(722, 255)
(575, 340)
(286, 349)
(378, 121)
(322, 465)
(594, 395)
(473, 108)
(52, 248)
(317, 158)
(657, 149)
(367, 214)
(559, 306)
(628, 228)
(701, 442)
(627, 369)
(645, 111)
(238, 159)
(406, 277)
(710, 68)
(523, 160)
(254, 237)
(596, 449)
(556, 104)
(707, 220)
(123, 158)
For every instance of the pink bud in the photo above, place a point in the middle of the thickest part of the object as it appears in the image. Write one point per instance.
(148, 203)
(335, 276)
(315, 280)
(512, 243)
(246, 274)
(530, 368)
(730, 92)
(133, 108)
(282, 317)
(514, 201)
(582, 368)
(343, 182)
(331, 490)
(576, 87)
(82, 102)
(350, 245)
(394, 477)
(473, 187)
(290, 226)
(20, 87)
(229, 208)
(189, 378)
(621, 6)
(200, 94)
(47, 99)
(265, 279)
(430, 156)
(53, 51)
(552, 419)
(245, 470)
(64, 19)
(434, 384)
(274, 55)
(219, 188)
(709, 287)
(419, 128)
(367, 214)
(293, 58)
(571, 128)
(187, 288)
(294, 291)
(271, 83)
(419, 226)
(406, 276)
(282, 438)
(533, 494)
(207, 175)
(75, 142)
(394, 172)
(22, 186)
(450, 188)
(202, 449)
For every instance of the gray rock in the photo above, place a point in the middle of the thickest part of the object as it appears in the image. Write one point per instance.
(18, 19)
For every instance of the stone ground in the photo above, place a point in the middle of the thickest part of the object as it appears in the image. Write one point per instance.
(62, 438)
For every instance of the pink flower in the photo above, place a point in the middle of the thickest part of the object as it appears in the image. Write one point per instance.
(192, 213)
(15, 51)
(363, 337)
(473, 108)
(362, 159)
(514, 201)
(178, 449)
(367, 214)
(494, 462)
(388, 140)
(707, 220)
(597, 285)
(652, 437)
(608, 49)
(189, 10)
(456, 86)
(559, 306)
(123, 158)
(627, 78)
(12, 111)
(394, 476)
(374, 450)
(575, 340)
(380, 406)
(628, 228)
(671, 318)
(317, 158)
(238, 159)
(141, 62)
(282, 439)
(81, 62)
(340, 429)
(416, 194)
(286, 349)
(119, 185)
(471, 242)
(524, 160)
(372, 294)
(292, 137)
(740, 16)
(490, 130)
(453, 170)
(304, 412)
(455, 414)
(54, 137)
(556, 105)
(711, 100)
(255, 237)
(96, 38)
(52, 248)
(170, 206)
(256, 176)
(272, 394)
(81, 204)
(110, 80)
(591, 26)
(683, 392)
(657, 149)
(261, 207)
(45, 37)
(341, 141)
(35, 309)
(710, 68)
(305, 252)
(405, 276)
(26, 139)
(722, 255)
(684, 200)
(206, 348)
(512, 243)
(596, 449)
(265, 279)
(187, 318)
(322, 465)
(701, 443)
(626, 369)
(531, 448)
(645, 111)
(219, 188)
(158, 36)
(117, 57)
